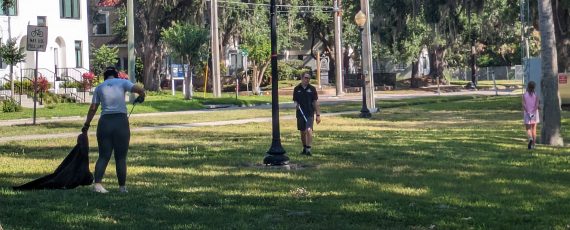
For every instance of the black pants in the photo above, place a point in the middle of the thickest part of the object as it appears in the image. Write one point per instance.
(113, 133)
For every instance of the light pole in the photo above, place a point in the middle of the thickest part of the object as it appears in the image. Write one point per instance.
(360, 20)
(276, 155)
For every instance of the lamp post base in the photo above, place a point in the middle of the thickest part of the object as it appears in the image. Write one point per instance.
(365, 114)
(276, 159)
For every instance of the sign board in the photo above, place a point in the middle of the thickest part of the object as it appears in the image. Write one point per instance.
(562, 79)
(37, 38)
(178, 70)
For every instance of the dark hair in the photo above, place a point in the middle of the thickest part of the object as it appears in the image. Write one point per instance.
(530, 87)
(110, 71)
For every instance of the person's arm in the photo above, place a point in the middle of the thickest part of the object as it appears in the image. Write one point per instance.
(140, 91)
(537, 104)
(317, 111)
(90, 114)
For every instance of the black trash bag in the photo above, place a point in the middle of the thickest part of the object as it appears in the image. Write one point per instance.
(72, 172)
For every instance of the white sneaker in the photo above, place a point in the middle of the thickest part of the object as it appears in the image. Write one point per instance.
(99, 188)
(123, 189)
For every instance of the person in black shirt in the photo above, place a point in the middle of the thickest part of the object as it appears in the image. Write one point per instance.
(305, 97)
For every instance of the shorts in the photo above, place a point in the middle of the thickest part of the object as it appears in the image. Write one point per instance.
(302, 125)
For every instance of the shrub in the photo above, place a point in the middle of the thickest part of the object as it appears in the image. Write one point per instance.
(88, 78)
(71, 84)
(43, 84)
(290, 69)
(11, 105)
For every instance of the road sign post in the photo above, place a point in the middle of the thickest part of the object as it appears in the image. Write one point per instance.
(37, 41)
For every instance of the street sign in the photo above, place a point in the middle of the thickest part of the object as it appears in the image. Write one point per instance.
(37, 38)
(562, 78)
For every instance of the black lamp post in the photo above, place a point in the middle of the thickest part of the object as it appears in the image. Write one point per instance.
(360, 20)
(276, 155)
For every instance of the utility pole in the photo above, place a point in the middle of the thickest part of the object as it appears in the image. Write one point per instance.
(131, 43)
(338, 47)
(525, 50)
(216, 81)
(367, 68)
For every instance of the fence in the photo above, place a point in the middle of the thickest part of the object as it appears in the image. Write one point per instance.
(486, 73)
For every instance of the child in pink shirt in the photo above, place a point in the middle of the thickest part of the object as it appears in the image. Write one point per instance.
(530, 104)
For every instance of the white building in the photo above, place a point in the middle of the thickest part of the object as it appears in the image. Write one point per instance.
(67, 52)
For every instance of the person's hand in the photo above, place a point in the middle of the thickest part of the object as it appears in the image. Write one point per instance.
(140, 99)
(85, 128)
(318, 118)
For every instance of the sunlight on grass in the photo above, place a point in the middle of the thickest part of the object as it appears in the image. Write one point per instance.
(455, 164)
(392, 188)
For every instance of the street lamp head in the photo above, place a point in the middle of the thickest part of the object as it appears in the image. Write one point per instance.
(360, 19)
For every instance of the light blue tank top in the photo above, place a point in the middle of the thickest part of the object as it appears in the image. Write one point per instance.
(111, 95)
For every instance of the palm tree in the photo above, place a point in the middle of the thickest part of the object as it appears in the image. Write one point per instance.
(550, 133)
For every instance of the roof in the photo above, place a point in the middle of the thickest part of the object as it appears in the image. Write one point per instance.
(108, 2)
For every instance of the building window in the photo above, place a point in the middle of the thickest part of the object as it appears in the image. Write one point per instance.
(78, 54)
(12, 11)
(69, 9)
(101, 23)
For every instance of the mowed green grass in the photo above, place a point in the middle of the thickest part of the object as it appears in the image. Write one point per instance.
(450, 165)
(154, 102)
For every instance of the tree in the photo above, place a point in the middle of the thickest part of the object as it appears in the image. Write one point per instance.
(7, 4)
(104, 56)
(12, 54)
(189, 43)
(561, 23)
(256, 41)
(320, 25)
(255, 38)
(550, 133)
(154, 16)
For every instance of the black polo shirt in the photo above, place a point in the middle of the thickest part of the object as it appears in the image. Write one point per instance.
(305, 97)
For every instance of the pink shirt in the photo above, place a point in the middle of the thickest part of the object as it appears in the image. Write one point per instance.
(530, 103)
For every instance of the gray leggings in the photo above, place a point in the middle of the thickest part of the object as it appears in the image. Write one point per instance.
(113, 133)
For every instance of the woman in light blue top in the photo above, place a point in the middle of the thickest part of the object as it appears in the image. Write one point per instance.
(113, 132)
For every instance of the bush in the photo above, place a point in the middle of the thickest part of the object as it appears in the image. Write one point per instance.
(27, 84)
(290, 69)
(11, 105)
(71, 84)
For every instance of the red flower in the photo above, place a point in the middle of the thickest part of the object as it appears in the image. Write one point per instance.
(123, 75)
(43, 84)
(88, 76)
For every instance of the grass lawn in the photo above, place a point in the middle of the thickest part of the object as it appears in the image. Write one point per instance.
(161, 102)
(458, 164)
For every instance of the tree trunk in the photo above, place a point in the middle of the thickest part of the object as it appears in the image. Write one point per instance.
(436, 62)
(258, 76)
(12, 82)
(562, 32)
(550, 133)
(187, 81)
(473, 64)
(414, 80)
(254, 84)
